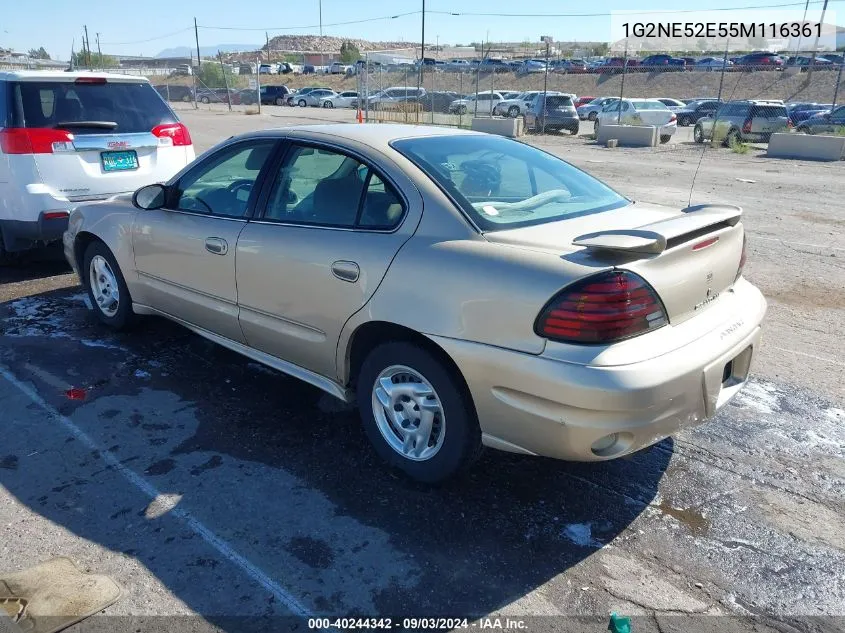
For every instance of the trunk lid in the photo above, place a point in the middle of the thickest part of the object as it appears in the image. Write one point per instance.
(689, 257)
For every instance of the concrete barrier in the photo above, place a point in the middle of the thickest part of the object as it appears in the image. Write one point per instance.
(502, 127)
(806, 146)
(628, 135)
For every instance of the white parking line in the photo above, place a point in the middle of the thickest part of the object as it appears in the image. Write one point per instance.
(827, 360)
(219, 544)
(791, 243)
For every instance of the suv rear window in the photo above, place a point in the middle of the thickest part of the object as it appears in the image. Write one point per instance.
(558, 102)
(768, 111)
(131, 107)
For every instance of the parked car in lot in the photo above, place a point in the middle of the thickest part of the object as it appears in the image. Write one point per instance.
(517, 106)
(393, 96)
(760, 61)
(314, 98)
(175, 92)
(574, 66)
(552, 113)
(696, 110)
(218, 95)
(713, 63)
(483, 103)
(294, 97)
(627, 321)
(72, 137)
(742, 121)
(800, 112)
(340, 100)
(640, 112)
(532, 66)
(583, 100)
(616, 65)
(268, 69)
(590, 111)
(274, 95)
(825, 123)
(247, 96)
(437, 101)
(662, 62)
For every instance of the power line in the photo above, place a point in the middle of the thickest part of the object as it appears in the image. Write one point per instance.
(608, 13)
(151, 39)
(310, 26)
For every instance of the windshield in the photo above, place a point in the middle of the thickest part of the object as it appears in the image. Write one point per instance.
(131, 107)
(503, 184)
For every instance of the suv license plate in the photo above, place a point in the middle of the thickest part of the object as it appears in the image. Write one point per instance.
(119, 161)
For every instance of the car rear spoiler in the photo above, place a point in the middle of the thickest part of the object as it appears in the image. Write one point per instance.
(654, 238)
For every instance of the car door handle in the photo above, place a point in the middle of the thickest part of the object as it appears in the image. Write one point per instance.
(346, 271)
(216, 245)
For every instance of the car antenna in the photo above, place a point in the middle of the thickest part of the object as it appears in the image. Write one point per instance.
(719, 101)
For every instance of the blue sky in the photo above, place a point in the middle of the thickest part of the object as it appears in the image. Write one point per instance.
(55, 23)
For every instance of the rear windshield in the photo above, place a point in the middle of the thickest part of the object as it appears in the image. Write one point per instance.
(131, 107)
(768, 111)
(648, 105)
(504, 184)
(555, 103)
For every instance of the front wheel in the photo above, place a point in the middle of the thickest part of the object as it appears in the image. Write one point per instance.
(573, 131)
(301, 103)
(592, 116)
(106, 287)
(698, 134)
(513, 112)
(328, 104)
(280, 101)
(416, 412)
(462, 109)
(684, 121)
(665, 138)
(205, 100)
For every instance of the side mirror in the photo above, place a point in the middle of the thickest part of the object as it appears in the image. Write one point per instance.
(150, 197)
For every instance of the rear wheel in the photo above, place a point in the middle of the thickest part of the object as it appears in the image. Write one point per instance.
(462, 109)
(106, 287)
(7, 258)
(301, 103)
(205, 100)
(592, 116)
(698, 134)
(732, 138)
(684, 121)
(416, 412)
(328, 104)
(665, 138)
(280, 101)
(513, 112)
(186, 98)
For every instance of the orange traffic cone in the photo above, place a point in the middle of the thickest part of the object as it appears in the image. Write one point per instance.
(360, 116)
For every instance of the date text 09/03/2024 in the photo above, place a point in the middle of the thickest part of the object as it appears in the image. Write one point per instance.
(762, 30)
(418, 623)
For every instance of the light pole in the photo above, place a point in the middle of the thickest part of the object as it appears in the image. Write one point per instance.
(320, 8)
(548, 40)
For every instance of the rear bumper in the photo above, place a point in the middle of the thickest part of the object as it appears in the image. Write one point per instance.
(20, 235)
(560, 123)
(542, 406)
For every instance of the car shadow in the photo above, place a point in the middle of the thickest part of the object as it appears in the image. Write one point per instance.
(39, 263)
(286, 474)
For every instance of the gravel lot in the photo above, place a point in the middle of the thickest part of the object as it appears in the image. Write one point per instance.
(206, 484)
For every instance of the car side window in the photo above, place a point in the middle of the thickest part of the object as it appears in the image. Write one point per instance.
(222, 185)
(838, 114)
(320, 187)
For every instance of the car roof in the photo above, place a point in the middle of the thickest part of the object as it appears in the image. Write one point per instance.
(376, 136)
(60, 75)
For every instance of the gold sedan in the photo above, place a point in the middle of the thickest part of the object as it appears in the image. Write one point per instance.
(464, 289)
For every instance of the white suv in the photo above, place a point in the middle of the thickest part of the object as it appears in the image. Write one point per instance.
(72, 137)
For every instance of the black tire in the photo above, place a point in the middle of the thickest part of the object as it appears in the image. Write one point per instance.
(124, 318)
(7, 258)
(328, 104)
(462, 434)
(574, 131)
(513, 112)
(592, 116)
(684, 121)
(205, 100)
(698, 134)
(665, 138)
(732, 138)
(301, 103)
(186, 98)
(462, 109)
(280, 101)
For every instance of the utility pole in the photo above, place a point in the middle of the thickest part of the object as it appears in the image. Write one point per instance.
(836, 88)
(99, 52)
(87, 47)
(225, 81)
(197, 37)
(267, 37)
(816, 43)
(548, 40)
(422, 50)
(622, 88)
(320, 9)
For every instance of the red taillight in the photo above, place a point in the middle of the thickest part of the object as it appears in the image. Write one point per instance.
(21, 140)
(176, 132)
(607, 307)
(673, 118)
(746, 127)
(55, 215)
(90, 80)
(742, 257)
(789, 124)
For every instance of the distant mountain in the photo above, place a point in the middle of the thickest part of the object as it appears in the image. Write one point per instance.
(208, 51)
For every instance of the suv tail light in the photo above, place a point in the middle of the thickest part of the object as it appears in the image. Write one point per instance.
(604, 308)
(673, 118)
(22, 140)
(742, 257)
(177, 134)
(746, 127)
